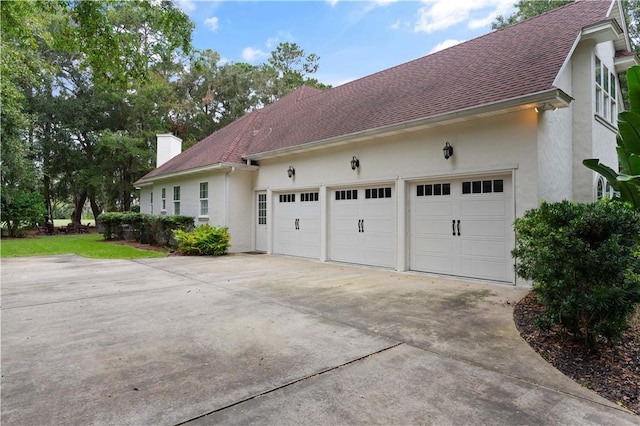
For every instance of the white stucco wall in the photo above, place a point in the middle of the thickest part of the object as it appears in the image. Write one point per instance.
(236, 214)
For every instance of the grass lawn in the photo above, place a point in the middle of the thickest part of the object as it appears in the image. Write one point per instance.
(87, 245)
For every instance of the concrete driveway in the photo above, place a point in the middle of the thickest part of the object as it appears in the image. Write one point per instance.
(256, 339)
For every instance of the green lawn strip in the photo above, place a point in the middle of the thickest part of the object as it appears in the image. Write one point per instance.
(89, 245)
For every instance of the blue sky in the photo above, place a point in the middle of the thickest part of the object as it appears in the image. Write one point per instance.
(352, 38)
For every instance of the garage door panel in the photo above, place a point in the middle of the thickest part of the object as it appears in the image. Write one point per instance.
(297, 224)
(479, 211)
(483, 249)
(434, 208)
(483, 207)
(362, 227)
(484, 269)
(483, 228)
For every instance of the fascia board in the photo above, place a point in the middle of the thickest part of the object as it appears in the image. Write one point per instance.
(196, 170)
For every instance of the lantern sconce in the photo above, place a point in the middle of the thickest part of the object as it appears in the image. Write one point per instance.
(447, 151)
(355, 163)
(291, 172)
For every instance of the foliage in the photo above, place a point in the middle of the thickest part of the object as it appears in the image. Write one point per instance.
(584, 260)
(626, 183)
(526, 9)
(204, 240)
(87, 245)
(158, 230)
(20, 208)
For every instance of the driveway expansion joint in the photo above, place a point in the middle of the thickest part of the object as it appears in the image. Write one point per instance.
(293, 382)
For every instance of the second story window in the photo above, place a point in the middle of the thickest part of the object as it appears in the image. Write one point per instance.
(605, 92)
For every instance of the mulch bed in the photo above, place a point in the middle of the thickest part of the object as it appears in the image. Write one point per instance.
(611, 371)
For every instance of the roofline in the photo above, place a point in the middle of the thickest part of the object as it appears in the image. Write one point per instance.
(555, 97)
(210, 167)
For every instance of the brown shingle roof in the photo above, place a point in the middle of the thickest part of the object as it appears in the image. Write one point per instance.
(522, 59)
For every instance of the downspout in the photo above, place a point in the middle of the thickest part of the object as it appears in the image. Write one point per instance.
(226, 195)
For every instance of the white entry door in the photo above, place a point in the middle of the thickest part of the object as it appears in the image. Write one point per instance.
(462, 227)
(261, 221)
(297, 224)
(362, 226)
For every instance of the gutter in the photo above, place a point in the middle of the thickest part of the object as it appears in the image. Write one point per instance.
(202, 169)
(554, 97)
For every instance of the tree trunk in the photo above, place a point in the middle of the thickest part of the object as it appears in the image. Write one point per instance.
(95, 208)
(78, 205)
(47, 196)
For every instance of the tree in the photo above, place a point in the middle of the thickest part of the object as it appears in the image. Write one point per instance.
(526, 9)
(21, 207)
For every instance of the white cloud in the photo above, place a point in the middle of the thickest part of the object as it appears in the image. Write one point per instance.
(251, 54)
(332, 2)
(187, 6)
(212, 23)
(437, 15)
(445, 44)
(281, 37)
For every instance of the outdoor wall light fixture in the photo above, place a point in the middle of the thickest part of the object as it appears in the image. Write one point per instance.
(291, 172)
(447, 151)
(546, 107)
(355, 163)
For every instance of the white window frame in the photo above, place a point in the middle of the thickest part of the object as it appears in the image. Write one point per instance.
(164, 199)
(204, 198)
(602, 189)
(176, 200)
(606, 92)
(151, 201)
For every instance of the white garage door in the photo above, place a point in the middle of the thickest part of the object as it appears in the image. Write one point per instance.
(463, 227)
(362, 226)
(297, 224)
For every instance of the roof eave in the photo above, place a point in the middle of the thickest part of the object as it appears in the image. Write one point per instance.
(554, 97)
(208, 168)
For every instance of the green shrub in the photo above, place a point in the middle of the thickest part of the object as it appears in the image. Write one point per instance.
(204, 240)
(21, 208)
(585, 265)
(157, 230)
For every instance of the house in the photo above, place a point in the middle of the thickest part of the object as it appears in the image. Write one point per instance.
(420, 167)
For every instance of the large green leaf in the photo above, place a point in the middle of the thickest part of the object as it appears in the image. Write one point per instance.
(629, 129)
(633, 83)
(609, 174)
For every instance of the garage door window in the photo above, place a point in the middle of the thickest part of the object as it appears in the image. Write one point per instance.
(377, 193)
(349, 194)
(287, 198)
(309, 196)
(433, 189)
(482, 186)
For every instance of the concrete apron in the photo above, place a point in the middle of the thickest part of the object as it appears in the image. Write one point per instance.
(271, 340)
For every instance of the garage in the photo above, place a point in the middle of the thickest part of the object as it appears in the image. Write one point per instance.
(462, 227)
(362, 225)
(297, 224)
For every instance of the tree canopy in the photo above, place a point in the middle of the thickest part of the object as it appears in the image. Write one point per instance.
(86, 85)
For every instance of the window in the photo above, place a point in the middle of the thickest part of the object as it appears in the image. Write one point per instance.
(176, 200)
(605, 92)
(151, 201)
(309, 196)
(204, 198)
(433, 189)
(482, 186)
(262, 209)
(349, 194)
(377, 193)
(287, 198)
(164, 199)
(603, 189)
